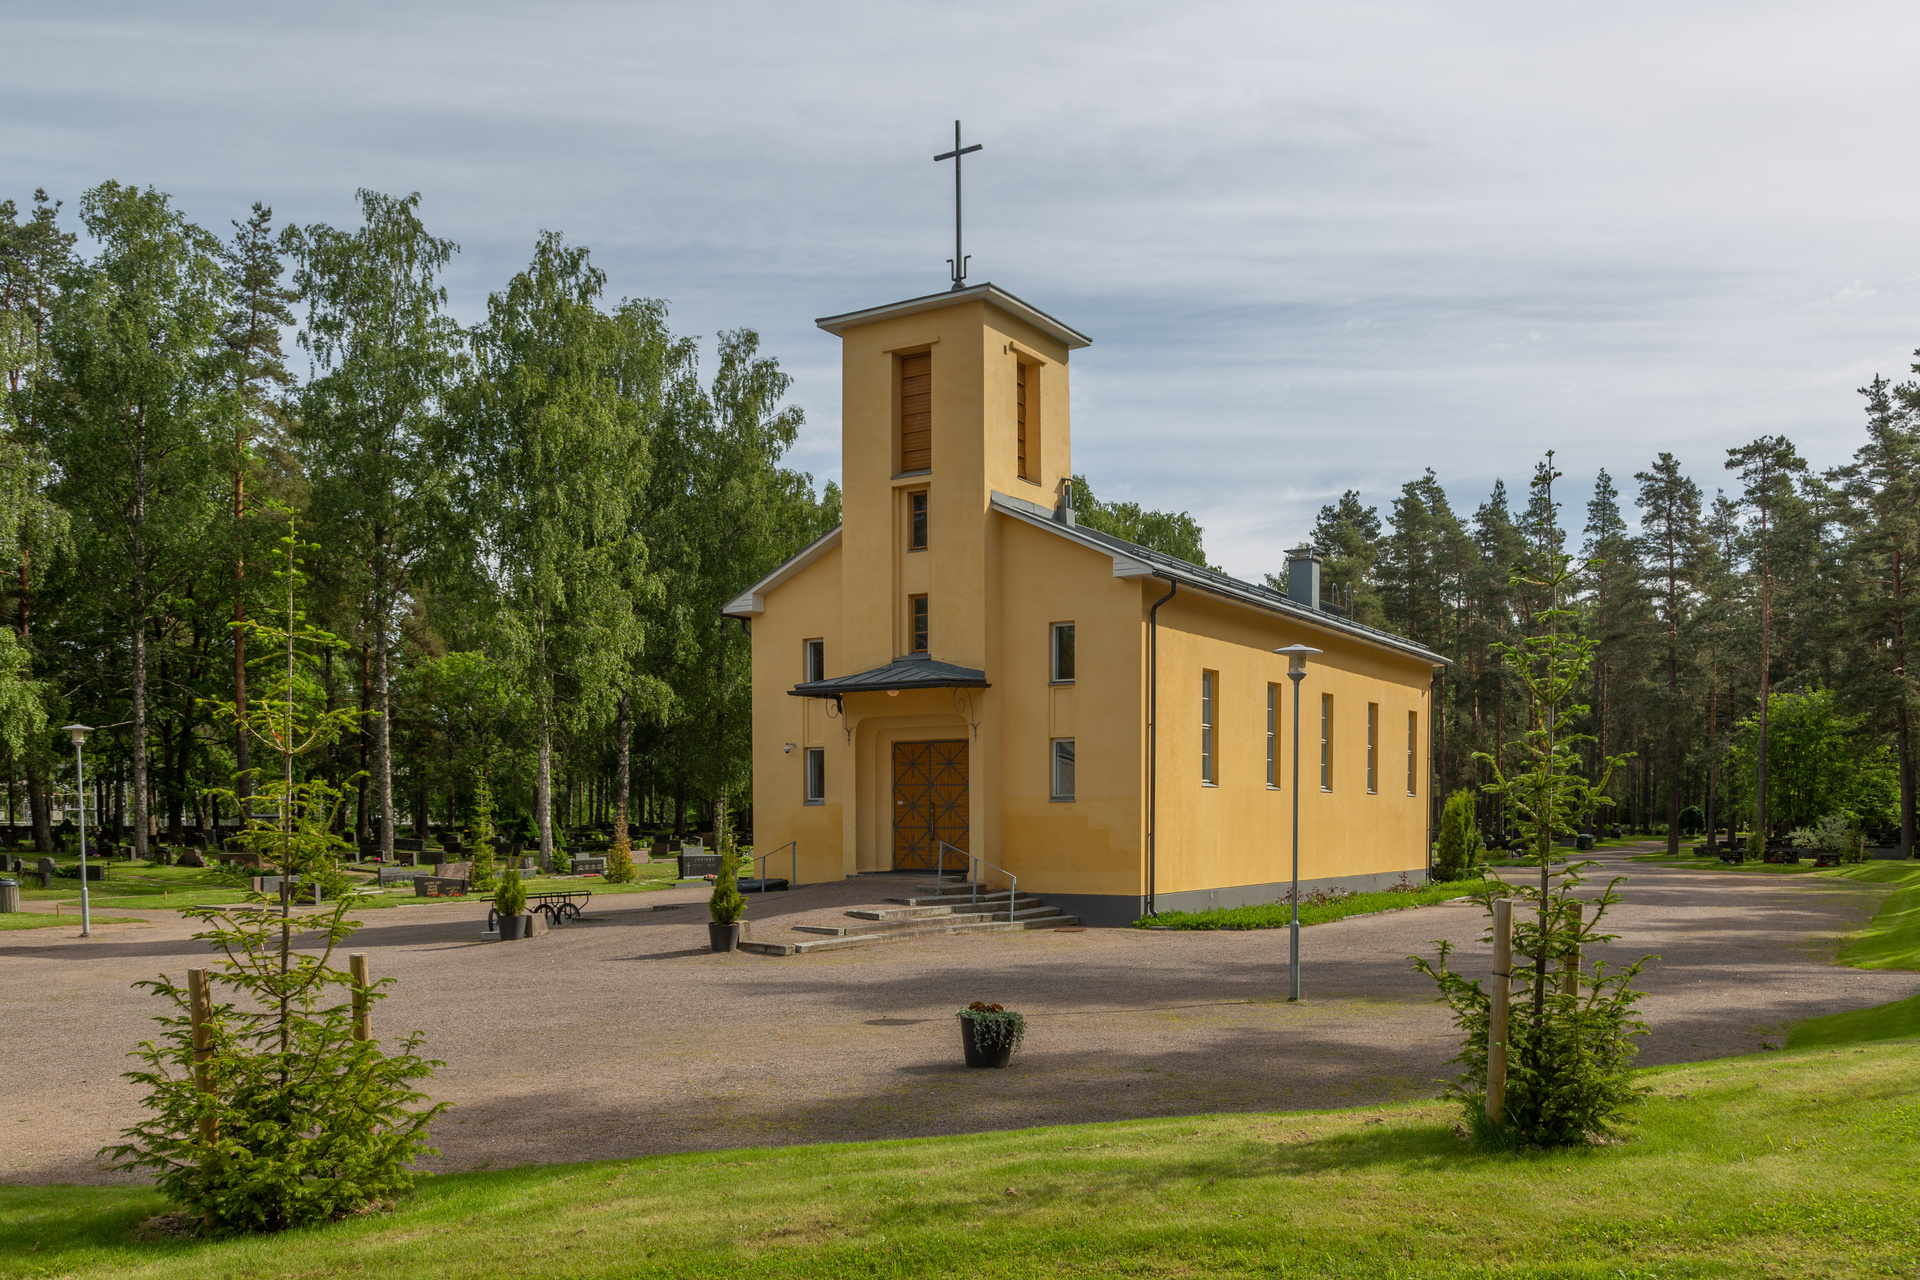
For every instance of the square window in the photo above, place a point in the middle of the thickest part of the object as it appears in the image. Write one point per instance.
(1063, 653)
(919, 604)
(815, 662)
(917, 511)
(816, 775)
(1063, 768)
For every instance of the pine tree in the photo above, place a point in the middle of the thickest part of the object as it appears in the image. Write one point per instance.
(1671, 544)
(1767, 468)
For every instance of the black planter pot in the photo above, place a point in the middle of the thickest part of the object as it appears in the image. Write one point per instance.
(724, 937)
(977, 1057)
(514, 928)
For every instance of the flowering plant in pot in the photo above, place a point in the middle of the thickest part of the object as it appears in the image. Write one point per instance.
(510, 904)
(989, 1033)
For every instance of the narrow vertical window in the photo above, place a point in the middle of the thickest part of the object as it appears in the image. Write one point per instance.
(1273, 735)
(1326, 742)
(1413, 752)
(1373, 748)
(1063, 768)
(1063, 653)
(1020, 418)
(816, 660)
(816, 775)
(917, 515)
(916, 412)
(919, 623)
(1208, 774)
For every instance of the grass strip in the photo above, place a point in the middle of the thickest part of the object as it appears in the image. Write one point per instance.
(1783, 1165)
(1276, 915)
(37, 920)
(1891, 940)
(1899, 1020)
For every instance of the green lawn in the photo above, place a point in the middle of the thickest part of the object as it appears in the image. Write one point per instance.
(1784, 1165)
(147, 887)
(1276, 915)
(71, 920)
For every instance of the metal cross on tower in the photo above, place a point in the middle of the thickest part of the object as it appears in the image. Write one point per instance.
(957, 264)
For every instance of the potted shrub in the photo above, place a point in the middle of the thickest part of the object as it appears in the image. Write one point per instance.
(726, 906)
(510, 904)
(989, 1033)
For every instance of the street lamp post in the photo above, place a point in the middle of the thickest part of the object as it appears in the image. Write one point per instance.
(1296, 672)
(79, 732)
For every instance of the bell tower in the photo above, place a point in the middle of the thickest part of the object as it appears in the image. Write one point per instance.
(944, 400)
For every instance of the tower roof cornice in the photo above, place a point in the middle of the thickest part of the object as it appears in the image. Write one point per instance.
(988, 293)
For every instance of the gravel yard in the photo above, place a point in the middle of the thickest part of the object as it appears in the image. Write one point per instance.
(625, 1036)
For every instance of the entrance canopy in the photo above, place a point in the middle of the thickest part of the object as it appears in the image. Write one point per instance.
(898, 675)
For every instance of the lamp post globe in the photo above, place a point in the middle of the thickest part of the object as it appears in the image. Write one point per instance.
(1297, 655)
(79, 734)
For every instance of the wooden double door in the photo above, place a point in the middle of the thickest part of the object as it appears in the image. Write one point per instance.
(929, 805)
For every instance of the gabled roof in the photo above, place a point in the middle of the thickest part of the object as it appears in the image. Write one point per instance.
(753, 599)
(916, 672)
(998, 297)
(1131, 560)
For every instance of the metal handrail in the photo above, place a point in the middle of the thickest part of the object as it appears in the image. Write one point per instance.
(940, 863)
(792, 847)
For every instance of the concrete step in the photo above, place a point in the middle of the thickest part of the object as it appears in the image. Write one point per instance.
(926, 923)
(964, 902)
(766, 948)
(918, 907)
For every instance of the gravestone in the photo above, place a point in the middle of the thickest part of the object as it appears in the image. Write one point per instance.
(396, 875)
(439, 887)
(270, 886)
(695, 865)
(585, 866)
(453, 870)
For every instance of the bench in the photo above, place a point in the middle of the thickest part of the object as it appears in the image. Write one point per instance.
(558, 907)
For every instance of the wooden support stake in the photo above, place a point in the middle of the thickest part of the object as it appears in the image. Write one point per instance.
(1502, 995)
(200, 1012)
(362, 1010)
(1570, 967)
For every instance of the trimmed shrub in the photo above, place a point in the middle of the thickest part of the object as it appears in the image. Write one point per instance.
(1458, 847)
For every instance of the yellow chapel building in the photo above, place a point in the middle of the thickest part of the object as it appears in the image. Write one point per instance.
(961, 671)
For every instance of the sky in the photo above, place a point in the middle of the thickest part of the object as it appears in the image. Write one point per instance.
(1317, 247)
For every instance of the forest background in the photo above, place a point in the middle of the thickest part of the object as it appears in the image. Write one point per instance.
(527, 529)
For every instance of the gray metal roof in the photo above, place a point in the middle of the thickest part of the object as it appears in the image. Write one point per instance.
(1131, 560)
(991, 293)
(916, 672)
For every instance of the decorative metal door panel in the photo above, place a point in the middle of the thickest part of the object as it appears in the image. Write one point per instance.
(929, 804)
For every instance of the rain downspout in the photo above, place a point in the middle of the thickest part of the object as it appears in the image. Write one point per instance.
(1153, 731)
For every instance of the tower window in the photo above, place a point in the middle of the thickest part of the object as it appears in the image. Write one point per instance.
(917, 517)
(815, 662)
(916, 412)
(919, 611)
(1020, 418)
(816, 775)
(1063, 653)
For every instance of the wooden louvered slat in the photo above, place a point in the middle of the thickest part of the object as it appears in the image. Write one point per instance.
(1020, 414)
(916, 412)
